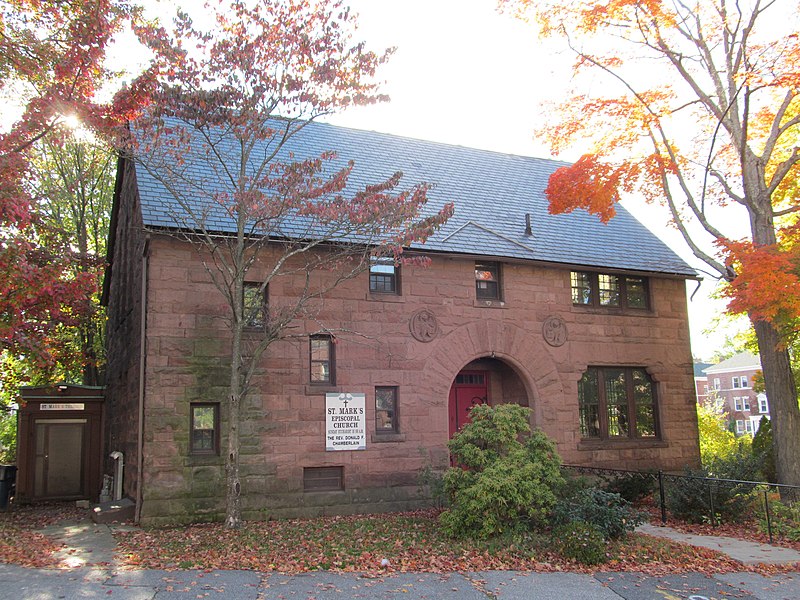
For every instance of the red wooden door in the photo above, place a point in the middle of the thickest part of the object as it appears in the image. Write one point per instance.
(469, 388)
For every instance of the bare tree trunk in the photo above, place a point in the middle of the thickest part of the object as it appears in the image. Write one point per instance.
(783, 407)
(233, 510)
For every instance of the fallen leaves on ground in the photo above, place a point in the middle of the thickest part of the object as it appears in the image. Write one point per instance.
(402, 542)
(368, 544)
(20, 544)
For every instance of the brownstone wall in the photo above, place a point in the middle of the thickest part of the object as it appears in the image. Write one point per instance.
(123, 332)
(283, 428)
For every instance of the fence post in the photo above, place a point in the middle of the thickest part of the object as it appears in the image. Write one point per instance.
(766, 508)
(711, 502)
(661, 496)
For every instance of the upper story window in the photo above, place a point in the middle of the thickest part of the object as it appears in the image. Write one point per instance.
(735, 381)
(487, 281)
(743, 381)
(617, 403)
(384, 275)
(717, 383)
(254, 306)
(322, 359)
(763, 407)
(204, 428)
(737, 403)
(608, 290)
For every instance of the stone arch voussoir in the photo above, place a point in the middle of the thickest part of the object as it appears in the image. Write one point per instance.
(522, 349)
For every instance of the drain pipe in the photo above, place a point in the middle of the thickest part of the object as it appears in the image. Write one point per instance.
(118, 470)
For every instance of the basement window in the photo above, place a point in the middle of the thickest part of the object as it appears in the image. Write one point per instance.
(323, 479)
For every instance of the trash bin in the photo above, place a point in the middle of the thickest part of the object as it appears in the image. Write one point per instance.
(8, 475)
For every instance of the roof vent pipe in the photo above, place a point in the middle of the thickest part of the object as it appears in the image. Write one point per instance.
(528, 224)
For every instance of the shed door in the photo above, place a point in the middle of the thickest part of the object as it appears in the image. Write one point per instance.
(59, 458)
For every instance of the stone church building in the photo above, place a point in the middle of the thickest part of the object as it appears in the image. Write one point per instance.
(583, 322)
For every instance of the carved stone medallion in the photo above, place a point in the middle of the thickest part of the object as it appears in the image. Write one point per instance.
(423, 325)
(554, 331)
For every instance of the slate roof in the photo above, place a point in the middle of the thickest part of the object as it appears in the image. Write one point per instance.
(700, 369)
(492, 192)
(738, 362)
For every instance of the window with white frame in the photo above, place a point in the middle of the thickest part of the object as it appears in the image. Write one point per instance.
(716, 383)
(737, 403)
(739, 426)
(746, 403)
(736, 385)
(743, 380)
(748, 426)
(763, 406)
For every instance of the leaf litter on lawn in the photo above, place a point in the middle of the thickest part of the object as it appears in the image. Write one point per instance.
(375, 544)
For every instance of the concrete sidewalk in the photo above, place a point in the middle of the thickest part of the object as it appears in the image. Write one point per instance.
(90, 571)
(747, 553)
(20, 583)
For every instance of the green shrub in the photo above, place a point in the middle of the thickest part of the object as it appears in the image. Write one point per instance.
(582, 542)
(574, 484)
(690, 499)
(633, 487)
(784, 518)
(431, 484)
(507, 477)
(611, 514)
(762, 449)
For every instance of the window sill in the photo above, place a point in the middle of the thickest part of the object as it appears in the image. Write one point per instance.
(482, 303)
(203, 460)
(380, 438)
(385, 297)
(621, 444)
(312, 389)
(614, 310)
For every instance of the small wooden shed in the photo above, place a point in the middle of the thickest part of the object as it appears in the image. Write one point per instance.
(59, 443)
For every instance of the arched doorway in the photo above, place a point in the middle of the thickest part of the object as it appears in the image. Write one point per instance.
(486, 380)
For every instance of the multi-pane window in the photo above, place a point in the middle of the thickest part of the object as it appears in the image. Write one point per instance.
(607, 290)
(581, 288)
(717, 383)
(736, 383)
(739, 426)
(254, 306)
(384, 275)
(737, 403)
(746, 403)
(748, 426)
(617, 402)
(743, 380)
(763, 407)
(487, 281)
(204, 428)
(322, 359)
(386, 409)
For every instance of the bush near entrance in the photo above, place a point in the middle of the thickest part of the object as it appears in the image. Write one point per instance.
(506, 477)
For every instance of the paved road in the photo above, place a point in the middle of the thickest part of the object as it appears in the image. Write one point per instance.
(19, 583)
